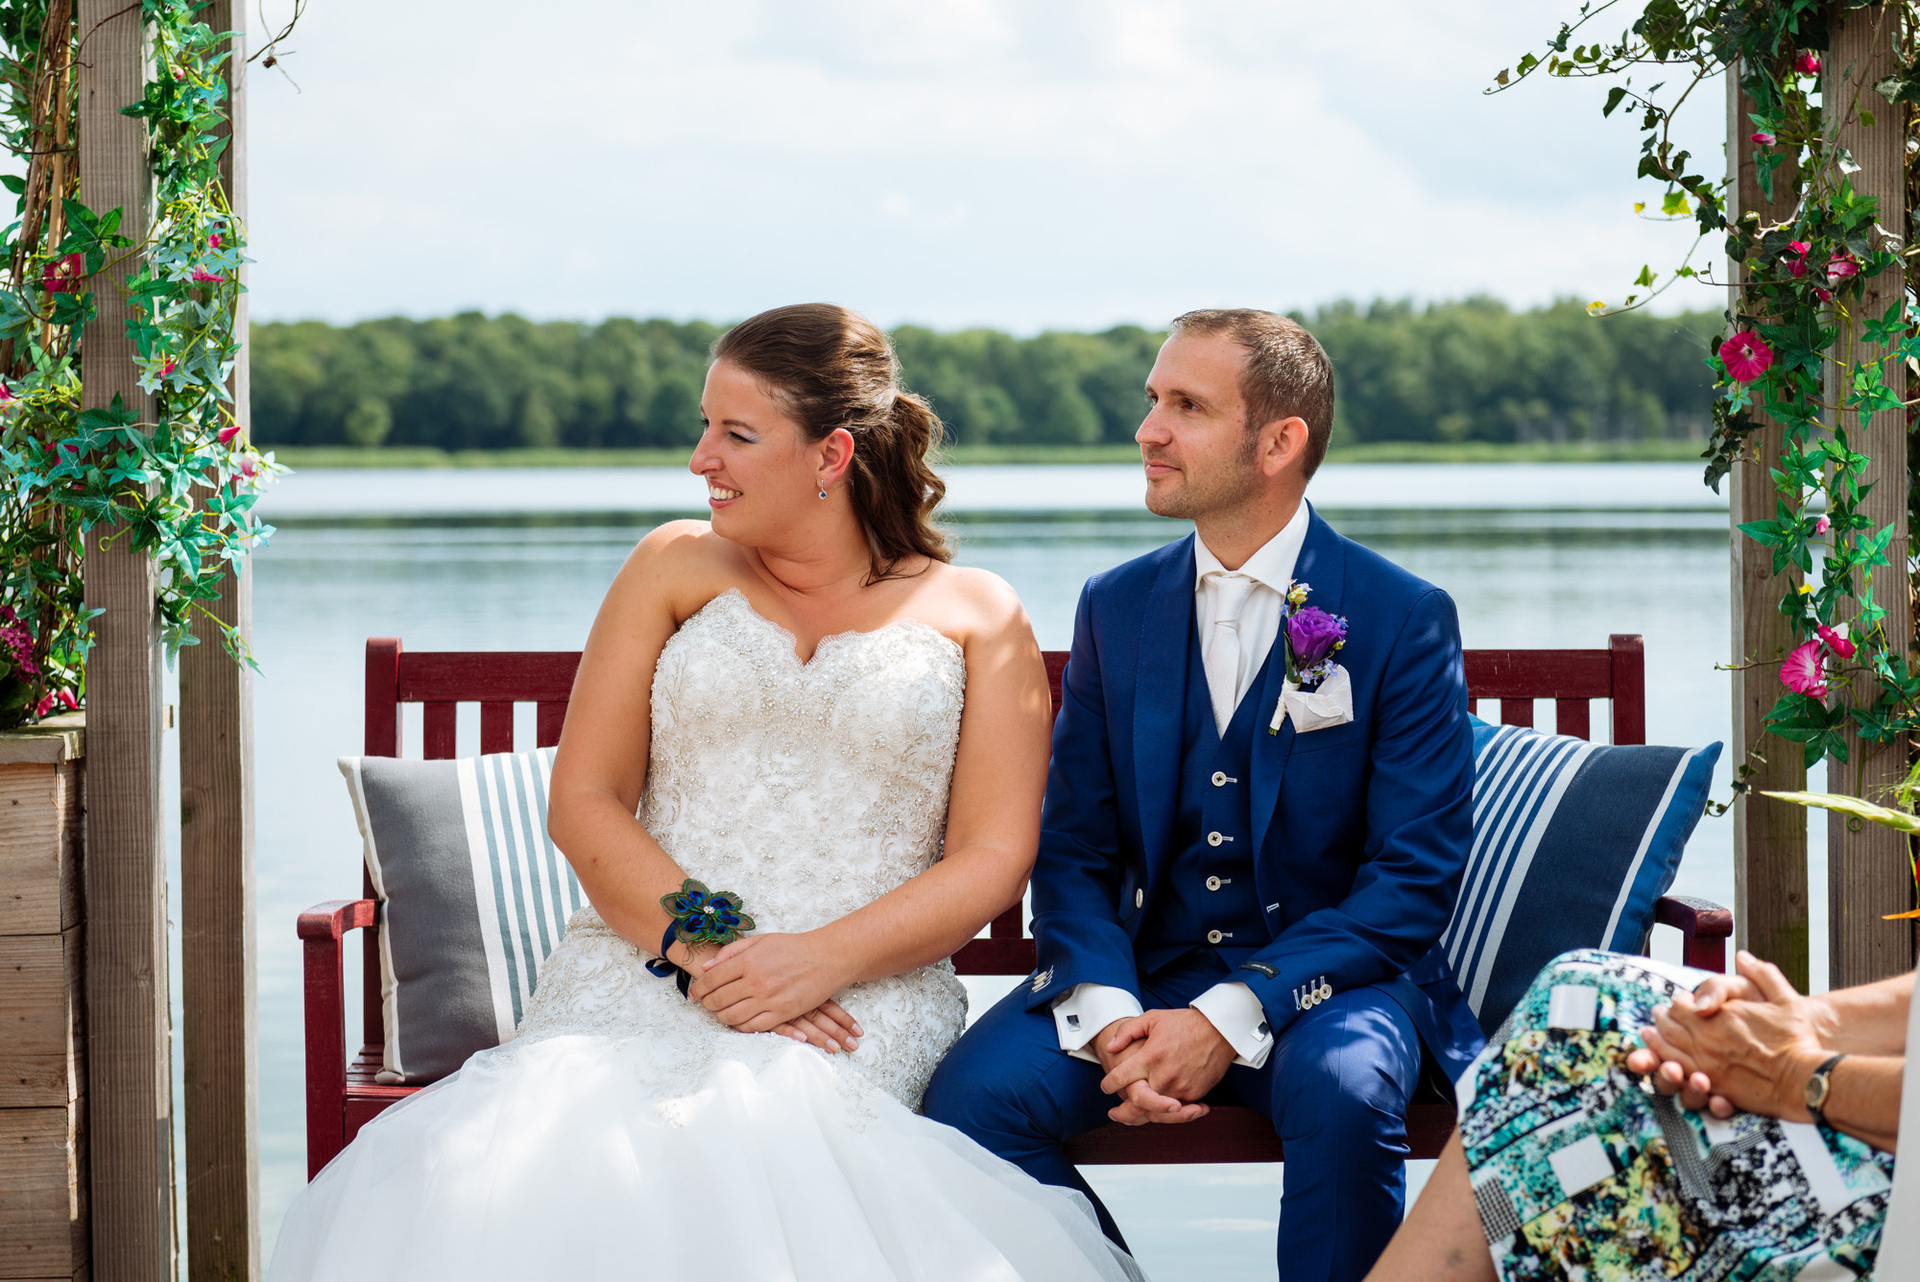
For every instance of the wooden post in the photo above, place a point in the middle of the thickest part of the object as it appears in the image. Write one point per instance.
(221, 1169)
(1867, 870)
(1769, 837)
(131, 1080)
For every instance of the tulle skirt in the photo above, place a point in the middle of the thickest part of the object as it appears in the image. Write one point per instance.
(558, 1161)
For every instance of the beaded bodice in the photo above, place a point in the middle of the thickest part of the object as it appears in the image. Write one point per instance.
(810, 789)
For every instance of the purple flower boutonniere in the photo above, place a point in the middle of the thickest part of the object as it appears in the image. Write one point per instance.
(1317, 692)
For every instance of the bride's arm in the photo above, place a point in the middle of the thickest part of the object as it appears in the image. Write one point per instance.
(601, 765)
(993, 830)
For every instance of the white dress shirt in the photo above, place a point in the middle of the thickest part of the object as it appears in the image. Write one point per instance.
(1231, 1007)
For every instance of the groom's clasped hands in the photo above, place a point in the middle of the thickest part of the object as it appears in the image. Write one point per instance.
(1161, 1064)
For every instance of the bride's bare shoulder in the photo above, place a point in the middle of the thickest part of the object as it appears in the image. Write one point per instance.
(682, 564)
(978, 605)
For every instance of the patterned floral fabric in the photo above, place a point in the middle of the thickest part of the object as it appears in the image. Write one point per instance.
(1583, 1171)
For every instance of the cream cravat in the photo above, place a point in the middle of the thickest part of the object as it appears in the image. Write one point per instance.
(1221, 658)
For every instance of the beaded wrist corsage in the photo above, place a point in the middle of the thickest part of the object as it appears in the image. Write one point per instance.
(702, 916)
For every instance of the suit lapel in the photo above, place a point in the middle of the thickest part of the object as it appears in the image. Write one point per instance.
(1320, 566)
(1159, 700)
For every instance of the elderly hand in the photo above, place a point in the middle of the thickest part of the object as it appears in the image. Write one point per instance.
(1161, 1064)
(758, 983)
(1746, 1045)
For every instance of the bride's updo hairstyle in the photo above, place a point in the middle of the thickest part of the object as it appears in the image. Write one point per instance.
(827, 368)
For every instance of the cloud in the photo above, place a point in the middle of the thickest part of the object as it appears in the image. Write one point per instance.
(1070, 164)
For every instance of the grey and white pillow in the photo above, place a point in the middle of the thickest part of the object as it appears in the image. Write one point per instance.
(473, 896)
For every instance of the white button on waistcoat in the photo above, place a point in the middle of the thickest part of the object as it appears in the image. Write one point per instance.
(1213, 883)
(1139, 898)
(1214, 937)
(1219, 778)
(1214, 839)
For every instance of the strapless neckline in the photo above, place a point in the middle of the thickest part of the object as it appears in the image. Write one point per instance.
(907, 623)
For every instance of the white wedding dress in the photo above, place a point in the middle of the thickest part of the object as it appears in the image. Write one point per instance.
(625, 1132)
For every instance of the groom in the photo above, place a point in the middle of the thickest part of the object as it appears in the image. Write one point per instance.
(1227, 911)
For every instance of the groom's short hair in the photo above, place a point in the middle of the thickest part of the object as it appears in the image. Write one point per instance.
(1288, 374)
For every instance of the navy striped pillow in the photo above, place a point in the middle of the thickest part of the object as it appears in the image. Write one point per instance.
(473, 896)
(1573, 843)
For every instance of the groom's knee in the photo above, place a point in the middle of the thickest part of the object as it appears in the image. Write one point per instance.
(1007, 1078)
(1348, 1074)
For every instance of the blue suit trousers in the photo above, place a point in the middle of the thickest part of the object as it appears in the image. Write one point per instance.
(1336, 1088)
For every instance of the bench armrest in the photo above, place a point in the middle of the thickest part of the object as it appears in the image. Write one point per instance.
(1704, 928)
(320, 929)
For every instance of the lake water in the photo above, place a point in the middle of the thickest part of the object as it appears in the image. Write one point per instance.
(518, 559)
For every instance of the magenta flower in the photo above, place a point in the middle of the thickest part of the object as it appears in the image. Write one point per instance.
(248, 468)
(1798, 267)
(1835, 640)
(1314, 634)
(228, 432)
(1807, 64)
(200, 275)
(213, 241)
(41, 708)
(62, 275)
(68, 700)
(6, 393)
(1804, 671)
(1840, 267)
(1746, 356)
(1823, 295)
(1821, 525)
(1764, 138)
(166, 369)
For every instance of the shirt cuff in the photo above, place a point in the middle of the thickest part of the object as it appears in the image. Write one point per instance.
(1236, 1013)
(1084, 1010)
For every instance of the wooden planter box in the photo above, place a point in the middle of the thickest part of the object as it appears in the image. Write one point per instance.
(44, 1226)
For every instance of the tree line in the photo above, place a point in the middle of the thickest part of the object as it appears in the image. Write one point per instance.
(1470, 370)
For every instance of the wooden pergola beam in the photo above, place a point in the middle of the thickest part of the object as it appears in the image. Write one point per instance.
(130, 1127)
(221, 1163)
(1769, 837)
(1867, 869)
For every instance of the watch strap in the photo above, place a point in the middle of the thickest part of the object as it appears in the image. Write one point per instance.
(1817, 1087)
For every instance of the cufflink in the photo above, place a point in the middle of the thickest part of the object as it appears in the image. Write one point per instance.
(1073, 1021)
(1264, 1028)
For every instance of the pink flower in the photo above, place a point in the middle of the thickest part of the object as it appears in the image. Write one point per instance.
(1835, 640)
(1804, 672)
(68, 700)
(213, 241)
(1746, 356)
(6, 393)
(198, 274)
(1798, 267)
(1821, 525)
(228, 432)
(1807, 64)
(45, 705)
(1764, 138)
(1840, 267)
(179, 73)
(166, 369)
(62, 275)
(1823, 295)
(248, 468)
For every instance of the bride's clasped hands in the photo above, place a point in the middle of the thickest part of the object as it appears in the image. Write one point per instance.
(777, 982)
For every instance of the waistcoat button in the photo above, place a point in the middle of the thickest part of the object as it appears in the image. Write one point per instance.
(1219, 778)
(1214, 839)
(1139, 898)
(1214, 937)
(1213, 883)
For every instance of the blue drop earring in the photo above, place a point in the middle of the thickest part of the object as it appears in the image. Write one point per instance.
(823, 494)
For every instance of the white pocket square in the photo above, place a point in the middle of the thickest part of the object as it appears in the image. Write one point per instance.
(1330, 705)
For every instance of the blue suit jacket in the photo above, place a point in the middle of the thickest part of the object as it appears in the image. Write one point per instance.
(1360, 831)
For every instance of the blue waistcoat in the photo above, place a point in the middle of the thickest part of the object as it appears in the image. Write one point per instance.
(1210, 885)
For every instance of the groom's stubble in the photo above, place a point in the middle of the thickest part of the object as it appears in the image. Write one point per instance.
(1210, 488)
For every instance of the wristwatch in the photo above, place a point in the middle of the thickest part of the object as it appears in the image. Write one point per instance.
(1817, 1087)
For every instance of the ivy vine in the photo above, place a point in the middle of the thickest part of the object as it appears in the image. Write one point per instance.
(180, 486)
(1797, 349)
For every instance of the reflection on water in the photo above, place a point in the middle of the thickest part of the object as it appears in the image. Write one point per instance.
(1524, 574)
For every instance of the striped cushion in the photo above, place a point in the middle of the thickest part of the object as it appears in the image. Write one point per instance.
(473, 896)
(1573, 843)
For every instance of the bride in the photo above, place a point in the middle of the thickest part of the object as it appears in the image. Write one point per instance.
(809, 708)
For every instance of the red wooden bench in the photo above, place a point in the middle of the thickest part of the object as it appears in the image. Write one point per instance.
(342, 1095)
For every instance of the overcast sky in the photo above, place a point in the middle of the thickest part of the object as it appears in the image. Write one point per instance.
(1025, 164)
